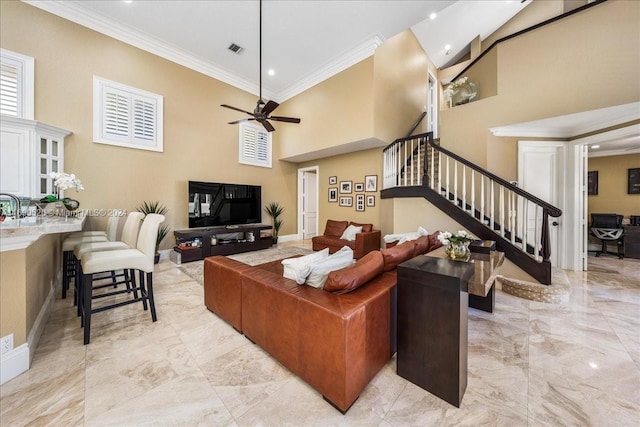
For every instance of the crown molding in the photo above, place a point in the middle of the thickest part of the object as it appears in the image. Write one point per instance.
(338, 64)
(80, 16)
(608, 117)
(93, 21)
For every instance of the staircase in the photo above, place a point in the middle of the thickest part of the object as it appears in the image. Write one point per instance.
(488, 206)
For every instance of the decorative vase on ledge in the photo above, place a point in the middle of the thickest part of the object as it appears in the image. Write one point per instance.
(457, 250)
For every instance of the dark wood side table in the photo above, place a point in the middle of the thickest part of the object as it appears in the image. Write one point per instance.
(432, 325)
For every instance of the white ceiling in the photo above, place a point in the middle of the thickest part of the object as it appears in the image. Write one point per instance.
(304, 41)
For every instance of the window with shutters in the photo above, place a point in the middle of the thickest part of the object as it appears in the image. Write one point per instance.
(16, 84)
(126, 116)
(255, 145)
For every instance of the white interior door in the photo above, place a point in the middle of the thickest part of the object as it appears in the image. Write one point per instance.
(308, 202)
(310, 205)
(540, 173)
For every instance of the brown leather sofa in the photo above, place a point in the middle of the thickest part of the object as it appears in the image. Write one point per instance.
(336, 341)
(366, 241)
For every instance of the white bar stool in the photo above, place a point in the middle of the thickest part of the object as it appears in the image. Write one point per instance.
(141, 258)
(70, 242)
(129, 240)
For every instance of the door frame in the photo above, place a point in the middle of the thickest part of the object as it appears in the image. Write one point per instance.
(560, 177)
(580, 229)
(436, 105)
(300, 192)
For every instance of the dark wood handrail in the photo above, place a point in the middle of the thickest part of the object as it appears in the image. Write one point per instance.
(552, 210)
(526, 30)
(417, 123)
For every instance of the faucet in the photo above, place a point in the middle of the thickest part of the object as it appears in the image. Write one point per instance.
(18, 211)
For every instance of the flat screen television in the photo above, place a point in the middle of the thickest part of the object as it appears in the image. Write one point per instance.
(214, 204)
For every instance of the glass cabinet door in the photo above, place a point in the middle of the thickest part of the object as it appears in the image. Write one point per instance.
(50, 157)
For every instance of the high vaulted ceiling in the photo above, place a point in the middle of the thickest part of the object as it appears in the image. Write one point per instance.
(304, 41)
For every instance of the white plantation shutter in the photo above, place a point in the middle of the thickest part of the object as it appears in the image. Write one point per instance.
(126, 116)
(116, 114)
(9, 100)
(16, 84)
(255, 145)
(144, 119)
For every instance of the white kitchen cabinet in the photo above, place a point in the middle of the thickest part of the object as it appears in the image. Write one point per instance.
(29, 151)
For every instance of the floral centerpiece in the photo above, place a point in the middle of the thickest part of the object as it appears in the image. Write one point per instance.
(63, 181)
(468, 91)
(456, 245)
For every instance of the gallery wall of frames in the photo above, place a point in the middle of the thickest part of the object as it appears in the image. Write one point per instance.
(354, 194)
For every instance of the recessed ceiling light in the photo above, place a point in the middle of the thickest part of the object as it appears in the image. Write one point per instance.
(447, 49)
(271, 72)
(595, 147)
(433, 15)
(127, 1)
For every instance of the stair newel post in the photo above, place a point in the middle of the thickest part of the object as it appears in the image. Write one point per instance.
(425, 167)
(545, 241)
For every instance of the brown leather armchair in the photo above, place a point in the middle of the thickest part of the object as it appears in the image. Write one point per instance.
(366, 241)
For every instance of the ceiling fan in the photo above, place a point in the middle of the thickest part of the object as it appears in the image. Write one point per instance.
(262, 112)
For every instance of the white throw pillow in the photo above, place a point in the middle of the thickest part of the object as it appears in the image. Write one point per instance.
(405, 237)
(320, 270)
(350, 233)
(299, 268)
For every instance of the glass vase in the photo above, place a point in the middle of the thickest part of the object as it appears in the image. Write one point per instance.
(457, 250)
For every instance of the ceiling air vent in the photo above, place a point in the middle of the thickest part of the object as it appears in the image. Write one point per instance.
(235, 48)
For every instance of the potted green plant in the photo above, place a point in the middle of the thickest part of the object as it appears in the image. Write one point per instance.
(274, 210)
(155, 207)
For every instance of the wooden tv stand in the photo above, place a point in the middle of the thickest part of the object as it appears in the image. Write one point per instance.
(196, 243)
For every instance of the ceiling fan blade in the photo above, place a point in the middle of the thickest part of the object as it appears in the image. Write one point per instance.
(241, 121)
(237, 109)
(271, 105)
(284, 119)
(268, 126)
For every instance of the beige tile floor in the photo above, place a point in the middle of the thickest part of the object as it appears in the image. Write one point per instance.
(530, 364)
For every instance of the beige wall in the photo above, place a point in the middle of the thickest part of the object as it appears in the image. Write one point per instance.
(198, 144)
(350, 167)
(26, 279)
(399, 95)
(537, 11)
(612, 194)
(43, 260)
(13, 298)
(334, 112)
(545, 74)
(400, 86)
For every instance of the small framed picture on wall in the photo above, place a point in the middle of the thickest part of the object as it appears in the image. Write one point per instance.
(360, 202)
(371, 182)
(358, 186)
(333, 180)
(345, 187)
(592, 183)
(634, 181)
(333, 194)
(371, 200)
(346, 201)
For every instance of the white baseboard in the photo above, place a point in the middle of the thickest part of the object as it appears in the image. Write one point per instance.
(288, 238)
(18, 360)
(164, 253)
(14, 362)
(41, 321)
